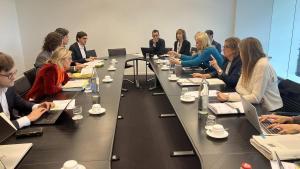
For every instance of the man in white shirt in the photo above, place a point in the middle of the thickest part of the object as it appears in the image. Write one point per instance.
(78, 49)
(9, 100)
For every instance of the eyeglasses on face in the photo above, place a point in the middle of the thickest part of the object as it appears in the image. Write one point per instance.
(9, 75)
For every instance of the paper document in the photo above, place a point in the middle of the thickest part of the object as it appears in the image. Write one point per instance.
(286, 165)
(215, 81)
(61, 104)
(226, 108)
(94, 63)
(75, 84)
(7, 120)
(212, 93)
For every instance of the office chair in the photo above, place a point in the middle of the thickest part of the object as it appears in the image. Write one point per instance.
(22, 86)
(30, 75)
(90, 53)
(121, 52)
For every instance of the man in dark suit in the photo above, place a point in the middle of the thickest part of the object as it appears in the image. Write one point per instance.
(10, 101)
(156, 44)
(214, 43)
(78, 49)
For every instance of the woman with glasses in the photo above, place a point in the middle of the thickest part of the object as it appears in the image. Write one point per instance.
(10, 100)
(52, 75)
(231, 70)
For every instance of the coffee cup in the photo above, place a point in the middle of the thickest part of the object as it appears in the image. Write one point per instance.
(96, 107)
(187, 97)
(217, 129)
(155, 57)
(173, 76)
(70, 164)
(107, 77)
(111, 67)
(113, 61)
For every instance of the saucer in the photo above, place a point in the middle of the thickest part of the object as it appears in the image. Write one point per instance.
(165, 68)
(173, 79)
(192, 99)
(224, 135)
(79, 166)
(107, 80)
(112, 69)
(102, 110)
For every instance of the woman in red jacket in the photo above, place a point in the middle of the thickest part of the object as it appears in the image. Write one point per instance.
(52, 75)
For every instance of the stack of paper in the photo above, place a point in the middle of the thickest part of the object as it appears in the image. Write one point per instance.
(197, 81)
(86, 72)
(95, 63)
(226, 108)
(212, 93)
(215, 81)
(61, 104)
(286, 146)
(75, 85)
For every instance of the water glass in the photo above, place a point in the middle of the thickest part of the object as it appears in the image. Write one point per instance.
(77, 113)
(184, 90)
(210, 121)
(96, 99)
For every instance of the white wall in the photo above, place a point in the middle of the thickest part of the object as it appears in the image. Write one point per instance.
(254, 18)
(125, 23)
(10, 42)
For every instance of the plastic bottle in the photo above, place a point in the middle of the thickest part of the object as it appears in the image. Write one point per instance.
(203, 99)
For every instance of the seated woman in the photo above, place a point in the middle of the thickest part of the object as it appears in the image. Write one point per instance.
(258, 81)
(181, 45)
(285, 124)
(202, 58)
(52, 75)
(231, 70)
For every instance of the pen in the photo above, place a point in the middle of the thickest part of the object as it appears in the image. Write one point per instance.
(279, 161)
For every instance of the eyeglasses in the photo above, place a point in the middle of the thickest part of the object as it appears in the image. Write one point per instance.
(226, 46)
(10, 75)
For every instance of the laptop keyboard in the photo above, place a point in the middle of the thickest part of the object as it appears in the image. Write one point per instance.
(265, 125)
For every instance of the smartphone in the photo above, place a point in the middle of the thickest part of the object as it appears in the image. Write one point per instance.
(29, 132)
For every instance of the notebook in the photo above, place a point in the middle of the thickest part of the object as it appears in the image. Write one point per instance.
(226, 108)
(75, 85)
(12, 154)
(197, 81)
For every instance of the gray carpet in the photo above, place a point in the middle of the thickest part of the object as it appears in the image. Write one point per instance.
(145, 141)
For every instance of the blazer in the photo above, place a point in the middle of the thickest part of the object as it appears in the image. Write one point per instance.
(42, 58)
(185, 48)
(232, 78)
(159, 49)
(45, 83)
(16, 102)
(216, 45)
(202, 59)
(76, 54)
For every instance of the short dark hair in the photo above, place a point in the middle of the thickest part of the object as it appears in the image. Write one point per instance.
(6, 62)
(155, 31)
(209, 32)
(80, 35)
(52, 41)
(62, 31)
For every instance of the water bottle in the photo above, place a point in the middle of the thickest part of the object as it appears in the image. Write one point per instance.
(203, 99)
(95, 82)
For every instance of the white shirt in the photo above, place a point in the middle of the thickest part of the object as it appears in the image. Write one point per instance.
(227, 68)
(178, 46)
(22, 121)
(82, 50)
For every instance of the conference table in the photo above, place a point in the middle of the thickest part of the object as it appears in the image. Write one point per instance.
(90, 140)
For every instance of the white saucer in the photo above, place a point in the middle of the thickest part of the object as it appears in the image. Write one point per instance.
(77, 117)
(173, 79)
(165, 68)
(112, 69)
(79, 166)
(192, 99)
(224, 135)
(102, 110)
(107, 80)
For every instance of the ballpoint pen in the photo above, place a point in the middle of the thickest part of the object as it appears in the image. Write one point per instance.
(279, 161)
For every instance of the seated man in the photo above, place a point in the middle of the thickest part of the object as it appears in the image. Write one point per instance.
(156, 44)
(214, 43)
(9, 100)
(78, 49)
(285, 124)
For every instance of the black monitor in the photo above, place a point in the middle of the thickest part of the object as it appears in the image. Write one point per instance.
(147, 50)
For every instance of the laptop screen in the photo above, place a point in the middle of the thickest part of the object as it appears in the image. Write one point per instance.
(6, 129)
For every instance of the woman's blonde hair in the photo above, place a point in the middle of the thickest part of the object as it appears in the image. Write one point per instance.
(203, 37)
(233, 44)
(59, 55)
(251, 51)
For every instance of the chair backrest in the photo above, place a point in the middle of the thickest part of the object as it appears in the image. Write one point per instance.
(90, 53)
(290, 94)
(30, 75)
(117, 52)
(22, 86)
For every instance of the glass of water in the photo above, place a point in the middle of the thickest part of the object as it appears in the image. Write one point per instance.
(210, 121)
(184, 90)
(77, 113)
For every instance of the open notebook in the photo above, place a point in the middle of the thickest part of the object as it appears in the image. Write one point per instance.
(12, 154)
(75, 85)
(197, 81)
(226, 108)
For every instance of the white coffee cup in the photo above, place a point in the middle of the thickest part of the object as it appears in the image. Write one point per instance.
(172, 76)
(187, 97)
(155, 57)
(107, 77)
(164, 66)
(113, 60)
(217, 129)
(96, 107)
(111, 67)
(70, 164)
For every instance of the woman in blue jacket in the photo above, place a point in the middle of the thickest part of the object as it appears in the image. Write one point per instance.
(202, 58)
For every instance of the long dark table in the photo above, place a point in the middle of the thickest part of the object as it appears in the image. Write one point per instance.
(89, 141)
(213, 153)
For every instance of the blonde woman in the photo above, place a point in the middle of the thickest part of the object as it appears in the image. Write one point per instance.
(258, 81)
(52, 75)
(202, 58)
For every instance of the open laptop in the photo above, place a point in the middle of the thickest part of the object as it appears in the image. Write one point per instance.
(147, 50)
(7, 129)
(253, 118)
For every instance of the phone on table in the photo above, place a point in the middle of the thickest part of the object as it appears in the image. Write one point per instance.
(29, 132)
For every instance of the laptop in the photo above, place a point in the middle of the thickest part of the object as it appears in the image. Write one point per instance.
(7, 129)
(147, 50)
(51, 116)
(253, 118)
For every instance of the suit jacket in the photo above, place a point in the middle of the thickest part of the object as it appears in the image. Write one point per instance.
(42, 58)
(76, 54)
(234, 73)
(15, 102)
(159, 49)
(45, 83)
(216, 45)
(185, 48)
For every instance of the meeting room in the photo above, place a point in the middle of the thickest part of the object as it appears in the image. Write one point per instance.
(136, 84)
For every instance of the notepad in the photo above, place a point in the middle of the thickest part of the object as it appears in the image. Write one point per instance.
(226, 108)
(61, 104)
(197, 81)
(75, 85)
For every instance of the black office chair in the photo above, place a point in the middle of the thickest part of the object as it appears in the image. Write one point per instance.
(30, 75)
(122, 52)
(193, 49)
(22, 86)
(90, 53)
